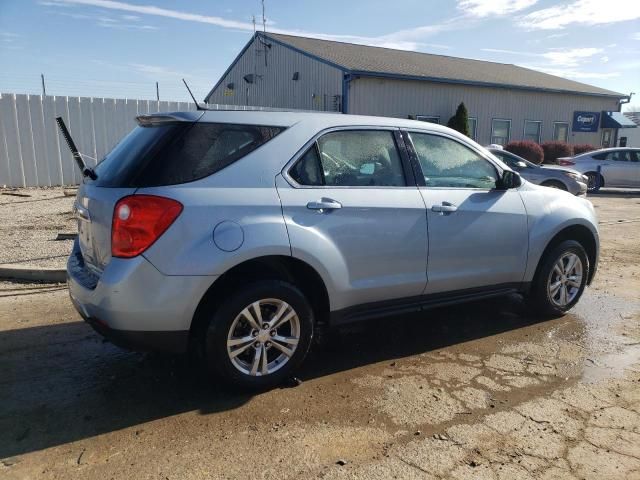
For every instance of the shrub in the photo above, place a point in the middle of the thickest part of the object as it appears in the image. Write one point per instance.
(555, 150)
(526, 149)
(583, 148)
(460, 121)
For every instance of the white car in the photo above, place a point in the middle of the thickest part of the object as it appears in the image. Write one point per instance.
(619, 167)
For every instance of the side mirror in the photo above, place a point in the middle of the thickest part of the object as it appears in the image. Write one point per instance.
(509, 179)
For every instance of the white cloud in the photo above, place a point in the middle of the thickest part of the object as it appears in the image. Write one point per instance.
(157, 71)
(582, 12)
(635, 36)
(573, 73)
(408, 39)
(485, 8)
(571, 57)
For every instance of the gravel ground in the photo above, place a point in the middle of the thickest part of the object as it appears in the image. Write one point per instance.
(29, 226)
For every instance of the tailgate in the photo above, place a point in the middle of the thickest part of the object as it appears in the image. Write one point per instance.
(94, 211)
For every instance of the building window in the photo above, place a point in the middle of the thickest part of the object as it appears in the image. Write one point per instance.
(500, 131)
(532, 130)
(472, 126)
(561, 131)
(428, 118)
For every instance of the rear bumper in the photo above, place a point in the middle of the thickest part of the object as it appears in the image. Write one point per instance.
(134, 305)
(169, 342)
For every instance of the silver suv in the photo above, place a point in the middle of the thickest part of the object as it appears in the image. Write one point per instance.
(238, 233)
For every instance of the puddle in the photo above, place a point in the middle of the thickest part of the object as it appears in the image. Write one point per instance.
(611, 365)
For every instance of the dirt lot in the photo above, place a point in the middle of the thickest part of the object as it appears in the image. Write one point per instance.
(477, 391)
(30, 220)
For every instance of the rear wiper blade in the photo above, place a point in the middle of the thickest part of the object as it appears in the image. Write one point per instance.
(77, 156)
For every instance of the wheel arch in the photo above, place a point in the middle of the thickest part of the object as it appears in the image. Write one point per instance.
(595, 172)
(272, 267)
(581, 234)
(554, 181)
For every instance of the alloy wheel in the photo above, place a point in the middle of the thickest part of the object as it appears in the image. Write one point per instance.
(263, 337)
(565, 279)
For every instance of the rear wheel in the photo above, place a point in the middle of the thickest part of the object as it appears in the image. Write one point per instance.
(555, 184)
(593, 185)
(260, 335)
(560, 279)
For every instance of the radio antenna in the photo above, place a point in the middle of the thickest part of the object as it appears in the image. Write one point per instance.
(198, 107)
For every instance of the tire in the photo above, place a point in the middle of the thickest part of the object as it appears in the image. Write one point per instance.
(542, 297)
(592, 184)
(230, 322)
(555, 184)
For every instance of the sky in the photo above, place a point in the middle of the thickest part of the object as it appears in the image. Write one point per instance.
(106, 48)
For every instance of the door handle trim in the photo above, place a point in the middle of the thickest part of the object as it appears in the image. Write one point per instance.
(445, 207)
(324, 204)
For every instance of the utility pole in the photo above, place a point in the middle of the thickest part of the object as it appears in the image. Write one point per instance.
(44, 90)
(157, 92)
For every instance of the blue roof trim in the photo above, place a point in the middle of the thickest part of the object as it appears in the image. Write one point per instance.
(616, 120)
(206, 99)
(365, 73)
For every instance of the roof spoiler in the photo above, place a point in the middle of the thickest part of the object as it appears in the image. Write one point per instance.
(165, 118)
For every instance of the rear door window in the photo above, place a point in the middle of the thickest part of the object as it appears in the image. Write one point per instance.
(169, 154)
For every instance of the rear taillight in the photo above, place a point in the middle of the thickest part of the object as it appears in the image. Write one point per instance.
(138, 221)
(565, 163)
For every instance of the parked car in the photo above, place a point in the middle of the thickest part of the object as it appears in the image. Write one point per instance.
(240, 233)
(620, 167)
(547, 175)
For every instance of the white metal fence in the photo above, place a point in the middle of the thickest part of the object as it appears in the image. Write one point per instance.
(32, 152)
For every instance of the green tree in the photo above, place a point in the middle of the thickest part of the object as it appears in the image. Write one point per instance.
(460, 121)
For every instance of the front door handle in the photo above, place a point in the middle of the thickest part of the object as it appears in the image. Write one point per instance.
(324, 204)
(444, 208)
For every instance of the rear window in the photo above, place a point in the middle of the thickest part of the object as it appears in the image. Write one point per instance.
(168, 154)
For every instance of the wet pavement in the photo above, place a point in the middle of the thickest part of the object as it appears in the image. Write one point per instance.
(484, 390)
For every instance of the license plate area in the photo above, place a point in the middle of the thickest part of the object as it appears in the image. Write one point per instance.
(84, 233)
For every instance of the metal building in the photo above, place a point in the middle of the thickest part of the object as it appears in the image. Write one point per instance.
(505, 102)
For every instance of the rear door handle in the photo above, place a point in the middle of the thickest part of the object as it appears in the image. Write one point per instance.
(324, 204)
(444, 208)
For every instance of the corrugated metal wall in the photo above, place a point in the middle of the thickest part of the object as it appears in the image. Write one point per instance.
(32, 153)
(400, 98)
(318, 88)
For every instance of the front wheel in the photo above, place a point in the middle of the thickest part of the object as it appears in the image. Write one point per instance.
(560, 279)
(594, 181)
(260, 335)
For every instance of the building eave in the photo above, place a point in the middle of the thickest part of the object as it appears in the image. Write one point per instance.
(397, 76)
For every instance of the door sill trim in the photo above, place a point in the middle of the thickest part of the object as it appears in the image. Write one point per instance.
(419, 303)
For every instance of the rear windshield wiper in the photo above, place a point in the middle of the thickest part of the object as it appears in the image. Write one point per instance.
(77, 156)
